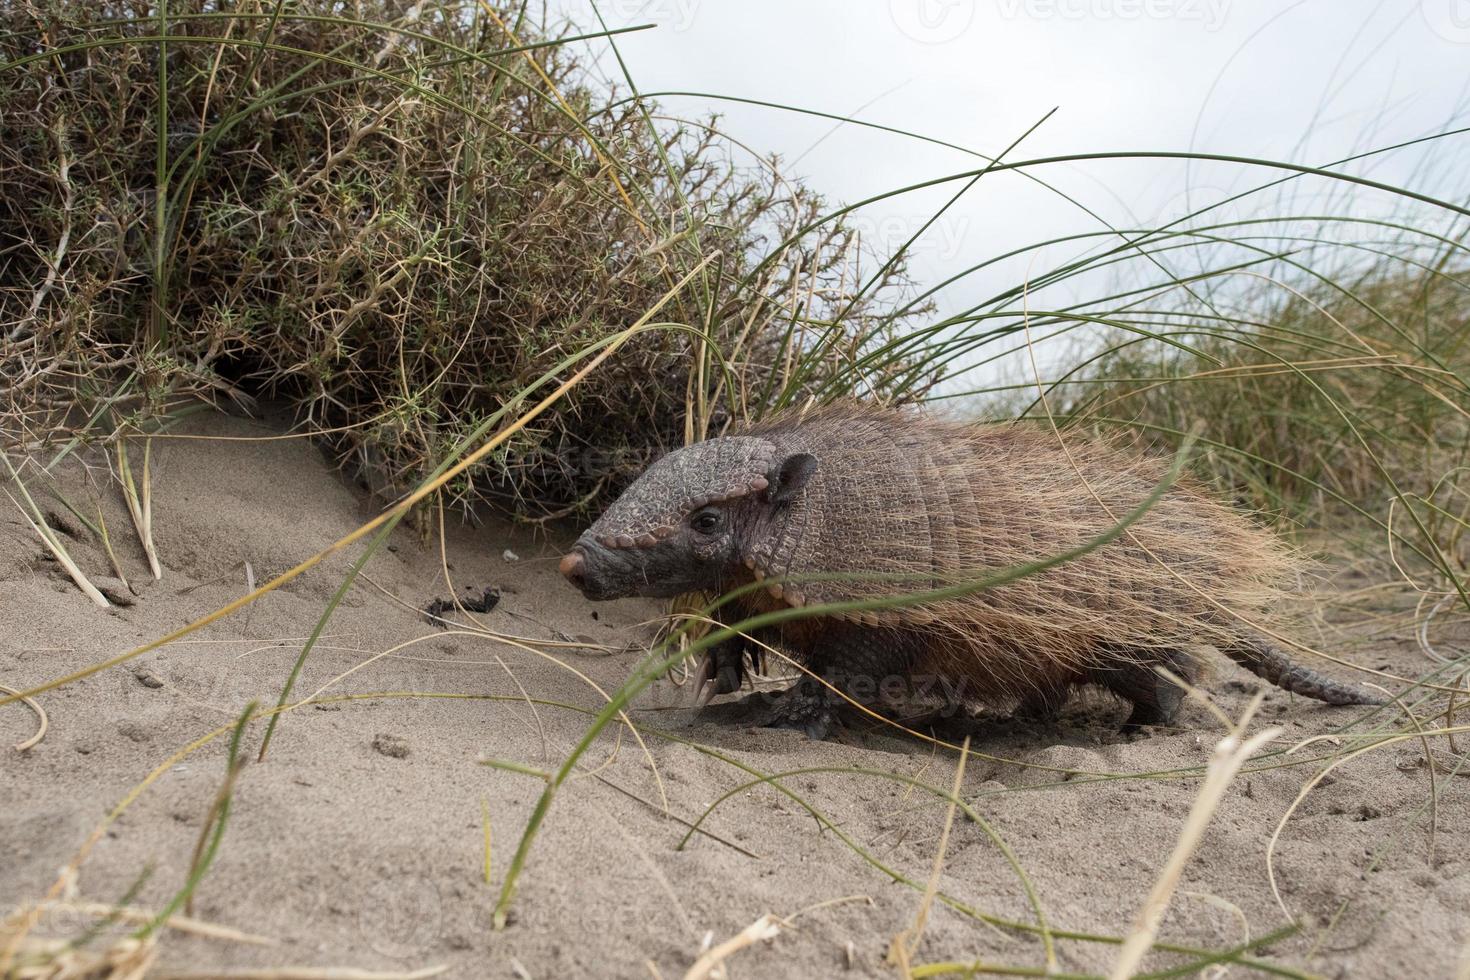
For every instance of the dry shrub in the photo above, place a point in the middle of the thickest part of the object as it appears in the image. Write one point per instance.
(374, 213)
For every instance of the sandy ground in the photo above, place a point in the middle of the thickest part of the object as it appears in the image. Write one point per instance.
(358, 842)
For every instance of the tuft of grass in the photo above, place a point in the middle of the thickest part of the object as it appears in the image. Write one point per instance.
(1334, 398)
(140, 500)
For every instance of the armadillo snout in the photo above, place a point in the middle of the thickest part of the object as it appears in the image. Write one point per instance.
(573, 567)
(602, 573)
(593, 571)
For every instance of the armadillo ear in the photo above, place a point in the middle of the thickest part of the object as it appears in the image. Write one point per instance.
(788, 476)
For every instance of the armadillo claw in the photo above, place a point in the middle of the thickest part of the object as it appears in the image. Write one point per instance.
(701, 682)
(721, 670)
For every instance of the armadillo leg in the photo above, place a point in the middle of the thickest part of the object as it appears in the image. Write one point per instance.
(806, 706)
(729, 665)
(1130, 674)
(1264, 660)
(867, 665)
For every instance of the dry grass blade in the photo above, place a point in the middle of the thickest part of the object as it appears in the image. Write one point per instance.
(668, 815)
(178, 923)
(106, 537)
(306, 973)
(46, 959)
(828, 903)
(1229, 755)
(1419, 734)
(42, 722)
(140, 504)
(764, 929)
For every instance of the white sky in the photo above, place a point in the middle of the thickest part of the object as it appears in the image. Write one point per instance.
(1303, 80)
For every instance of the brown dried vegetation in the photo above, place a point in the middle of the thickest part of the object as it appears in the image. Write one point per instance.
(394, 218)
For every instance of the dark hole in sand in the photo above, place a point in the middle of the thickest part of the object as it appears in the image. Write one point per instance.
(487, 600)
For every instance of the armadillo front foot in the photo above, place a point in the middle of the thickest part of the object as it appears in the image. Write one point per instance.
(720, 671)
(805, 706)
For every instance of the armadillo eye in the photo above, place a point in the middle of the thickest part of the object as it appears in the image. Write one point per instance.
(706, 521)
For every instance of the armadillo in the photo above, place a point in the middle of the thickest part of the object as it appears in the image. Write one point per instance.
(853, 502)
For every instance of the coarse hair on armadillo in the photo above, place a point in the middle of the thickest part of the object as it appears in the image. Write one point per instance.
(903, 494)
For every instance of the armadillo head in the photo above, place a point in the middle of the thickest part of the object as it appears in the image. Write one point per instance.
(684, 525)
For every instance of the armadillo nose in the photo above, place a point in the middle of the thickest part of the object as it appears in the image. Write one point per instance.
(573, 568)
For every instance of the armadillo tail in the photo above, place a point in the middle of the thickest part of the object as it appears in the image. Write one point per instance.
(1264, 660)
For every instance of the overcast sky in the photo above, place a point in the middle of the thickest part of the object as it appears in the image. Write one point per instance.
(1309, 81)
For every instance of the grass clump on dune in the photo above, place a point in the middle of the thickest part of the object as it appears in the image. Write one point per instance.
(1340, 404)
(393, 218)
